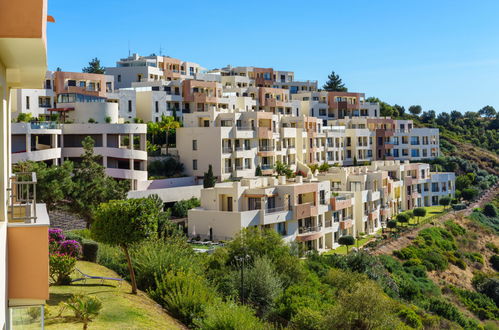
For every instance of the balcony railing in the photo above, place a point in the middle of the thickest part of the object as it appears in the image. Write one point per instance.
(22, 206)
(245, 128)
(306, 230)
(228, 169)
(227, 150)
(265, 148)
(44, 125)
(277, 209)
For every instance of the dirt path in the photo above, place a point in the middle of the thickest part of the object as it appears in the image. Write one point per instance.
(406, 238)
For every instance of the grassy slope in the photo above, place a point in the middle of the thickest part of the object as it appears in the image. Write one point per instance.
(121, 310)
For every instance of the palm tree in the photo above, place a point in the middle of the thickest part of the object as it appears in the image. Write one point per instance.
(153, 130)
(168, 123)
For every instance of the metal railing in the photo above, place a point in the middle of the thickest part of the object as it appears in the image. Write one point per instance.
(22, 206)
(277, 209)
(265, 148)
(228, 169)
(305, 230)
(44, 125)
(227, 149)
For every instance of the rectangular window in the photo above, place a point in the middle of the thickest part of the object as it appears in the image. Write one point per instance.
(119, 78)
(254, 203)
(48, 84)
(129, 105)
(156, 105)
(415, 153)
(194, 164)
(194, 145)
(27, 102)
(71, 82)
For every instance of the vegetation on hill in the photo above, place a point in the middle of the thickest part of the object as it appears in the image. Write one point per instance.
(260, 282)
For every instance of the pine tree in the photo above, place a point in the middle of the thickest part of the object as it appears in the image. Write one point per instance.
(208, 179)
(334, 84)
(94, 67)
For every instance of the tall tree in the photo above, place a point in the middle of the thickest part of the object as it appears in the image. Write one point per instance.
(94, 67)
(126, 222)
(415, 109)
(334, 83)
(487, 111)
(167, 124)
(209, 179)
(91, 184)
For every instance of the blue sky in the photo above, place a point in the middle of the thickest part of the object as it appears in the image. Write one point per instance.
(441, 54)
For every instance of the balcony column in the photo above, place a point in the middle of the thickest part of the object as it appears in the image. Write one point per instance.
(104, 140)
(53, 140)
(28, 142)
(130, 138)
(143, 142)
(5, 151)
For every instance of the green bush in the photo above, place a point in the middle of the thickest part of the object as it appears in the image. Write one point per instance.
(60, 268)
(490, 210)
(447, 310)
(492, 247)
(481, 305)
(229, 315)
(155, 256)
(181, 208)
(409, 317)
(454, 228)
(113, 258)
(184, 294)
(90, 250)
(494, 262)
(488, 285)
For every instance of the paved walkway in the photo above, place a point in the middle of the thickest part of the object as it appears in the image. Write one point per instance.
(66, 220)
(406, 238)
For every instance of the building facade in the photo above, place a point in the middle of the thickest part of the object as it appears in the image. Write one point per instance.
(317, 210)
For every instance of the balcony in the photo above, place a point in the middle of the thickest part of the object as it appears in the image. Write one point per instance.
(305, 210)
(227, 169)
(346, 223)
(372, 215)
(277, 209)
(340, 203)
(308, 230)
(27, 242)
(373, 195)
(227, 150)
(264, 133)
(265, 148)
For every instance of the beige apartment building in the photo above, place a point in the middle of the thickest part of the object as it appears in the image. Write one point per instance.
(316, 210)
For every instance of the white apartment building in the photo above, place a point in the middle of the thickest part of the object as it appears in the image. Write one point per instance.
(318, 210)
(85, 107)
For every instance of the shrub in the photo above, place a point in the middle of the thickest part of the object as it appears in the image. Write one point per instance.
(469, 193)
(228, 315)
(85, 308)
(409, 317)
(403, 217)
(444, 201)
(56, 235)
(454, 228)
(113, 258)
(458, 207)
(156, 256)
(108, 119)
(494, 262)
(481, 305)
(487, 285)
(91, 120)
(263, 285)
(184, 294)
(181, 208)
(391, 224)
(490, 210)
(90, 250)
(447, 310)
(419, 212)
(492, 247)
(60, 268)
(71, 248)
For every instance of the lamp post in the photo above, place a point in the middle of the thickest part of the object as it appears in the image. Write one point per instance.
(240, 260)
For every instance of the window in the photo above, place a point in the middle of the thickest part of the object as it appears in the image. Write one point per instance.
(254, 203)
(27, 102)
(415, 153)
(322, 195)
(395, 152)
(156, 105)
(119, 78)
(194, 145)
(247, 163)
(194, 164)
(44, 102)
(129, 105)
(82, 84)
(48, 84)
(71, 82)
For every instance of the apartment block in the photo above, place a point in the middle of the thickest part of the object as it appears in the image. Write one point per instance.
(317, 209)
(86, 106)
(24, 264)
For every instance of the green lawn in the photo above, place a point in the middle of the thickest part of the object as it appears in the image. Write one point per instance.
(343, 249)
(430, 212)
(121, 310)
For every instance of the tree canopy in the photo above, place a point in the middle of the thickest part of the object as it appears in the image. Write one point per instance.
(334, 83)
(94, 67)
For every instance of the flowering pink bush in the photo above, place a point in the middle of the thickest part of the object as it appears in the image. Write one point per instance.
(56, 235)
(71, 248)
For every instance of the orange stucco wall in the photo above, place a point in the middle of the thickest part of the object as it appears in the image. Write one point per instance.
(23, 18)
(28, 264)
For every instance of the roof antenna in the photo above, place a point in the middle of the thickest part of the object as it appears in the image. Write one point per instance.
(128, 48)
(160, 50)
